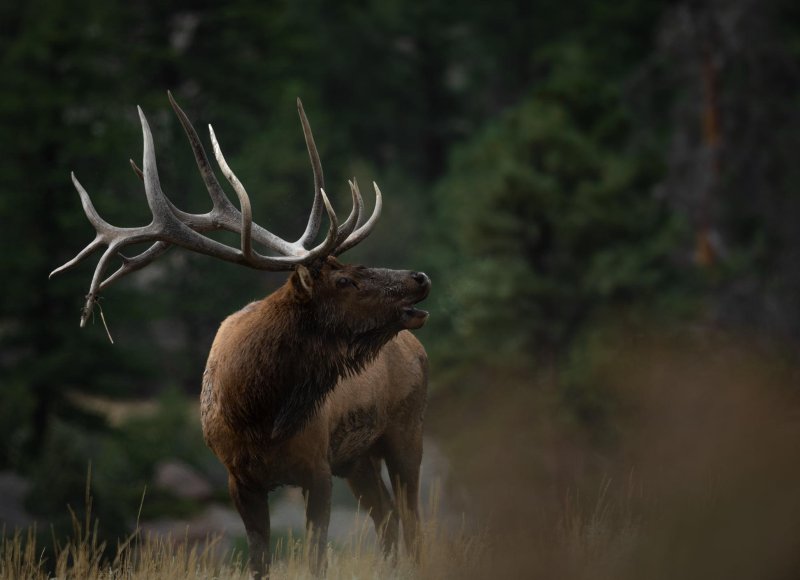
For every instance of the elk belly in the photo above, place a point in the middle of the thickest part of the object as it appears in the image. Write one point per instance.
(352, 437)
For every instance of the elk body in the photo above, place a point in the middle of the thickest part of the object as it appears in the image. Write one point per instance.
(320, 378)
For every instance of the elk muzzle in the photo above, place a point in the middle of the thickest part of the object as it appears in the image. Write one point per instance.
(415, 317)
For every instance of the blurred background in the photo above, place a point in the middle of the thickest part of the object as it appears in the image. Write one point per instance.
(605, 194)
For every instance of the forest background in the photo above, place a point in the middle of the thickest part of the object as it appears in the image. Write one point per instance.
(590, 185)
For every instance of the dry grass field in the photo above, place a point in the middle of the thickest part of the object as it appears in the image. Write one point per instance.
(444, 554)
(693, 472)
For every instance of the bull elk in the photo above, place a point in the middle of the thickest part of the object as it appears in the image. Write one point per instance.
(320, 378)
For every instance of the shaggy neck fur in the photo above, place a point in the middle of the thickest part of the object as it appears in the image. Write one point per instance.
(299, 359)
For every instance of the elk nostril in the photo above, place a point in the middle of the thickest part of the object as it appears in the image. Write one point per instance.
(421, 278)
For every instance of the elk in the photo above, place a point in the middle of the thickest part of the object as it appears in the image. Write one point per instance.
(320, 378)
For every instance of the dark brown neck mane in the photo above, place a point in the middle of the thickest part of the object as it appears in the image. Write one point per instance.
(298, 359)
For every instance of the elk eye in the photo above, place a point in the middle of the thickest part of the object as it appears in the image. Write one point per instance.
(342, 282)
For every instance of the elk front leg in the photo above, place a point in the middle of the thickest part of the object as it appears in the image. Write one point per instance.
(318, 514)
(253, 507)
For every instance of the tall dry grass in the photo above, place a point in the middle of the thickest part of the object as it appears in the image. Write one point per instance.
(444, 553)
(692, 471)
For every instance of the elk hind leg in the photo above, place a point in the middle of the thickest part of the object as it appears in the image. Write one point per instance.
(403, 455)
(367, 485)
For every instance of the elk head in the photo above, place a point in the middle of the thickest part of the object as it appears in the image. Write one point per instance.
(357, 300)
(353, 299)
(362, 307)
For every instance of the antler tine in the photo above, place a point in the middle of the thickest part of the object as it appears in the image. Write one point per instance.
(135, 263)
(89, 249)
(215, 190)
(328, 245)
(152, 186)
(366, 229)
(128, 265)
(323, 249)
(351, 223)
(361, 215)
(241, 193)
(136, 169)
(224, 214)
(314, 220)
(91, 297)
(115, 237)
(105, 234)
(102, 227)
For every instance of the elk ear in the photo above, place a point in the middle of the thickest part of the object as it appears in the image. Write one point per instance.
(303, 283)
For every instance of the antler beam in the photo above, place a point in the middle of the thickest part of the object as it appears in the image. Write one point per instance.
(172, 226)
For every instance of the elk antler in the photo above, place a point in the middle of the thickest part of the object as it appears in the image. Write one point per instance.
(172, 226)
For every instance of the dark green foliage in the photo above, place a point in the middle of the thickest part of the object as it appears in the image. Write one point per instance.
(122, 463)
(553, 218)
(16, 412)
(139, 445)
(60, 482)
(60, 87)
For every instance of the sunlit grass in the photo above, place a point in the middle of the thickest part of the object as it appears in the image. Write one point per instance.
(83, 557)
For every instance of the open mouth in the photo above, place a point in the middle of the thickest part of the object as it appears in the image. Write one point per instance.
(414, 317)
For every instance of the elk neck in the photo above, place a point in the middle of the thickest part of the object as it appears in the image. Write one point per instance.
(300, 358)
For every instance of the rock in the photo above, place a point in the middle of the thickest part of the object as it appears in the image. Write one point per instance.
(347, 523)
(218, 519)
(182, 480)
(214, 529)
(12, 496)
(287, 510)
(433, 472)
